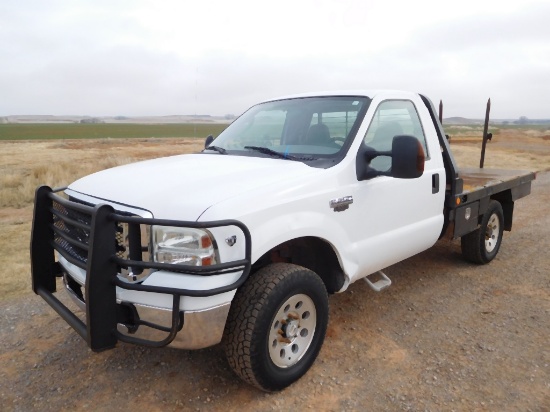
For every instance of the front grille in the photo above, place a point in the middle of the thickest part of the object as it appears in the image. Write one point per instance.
(134, 247)
(79, 231)
(72, 236)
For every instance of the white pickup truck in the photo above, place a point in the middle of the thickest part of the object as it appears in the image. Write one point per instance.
(242, 243)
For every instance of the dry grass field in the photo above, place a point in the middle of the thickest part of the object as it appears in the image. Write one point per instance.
(448, 335)
(24, 165)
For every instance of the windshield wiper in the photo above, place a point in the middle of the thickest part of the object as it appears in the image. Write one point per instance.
(218, 149)
(268, 151)
(271, 152)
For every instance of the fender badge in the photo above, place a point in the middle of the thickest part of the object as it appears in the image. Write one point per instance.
(341, 203)
(231, 240)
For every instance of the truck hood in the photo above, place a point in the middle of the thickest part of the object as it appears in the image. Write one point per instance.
(183, 187)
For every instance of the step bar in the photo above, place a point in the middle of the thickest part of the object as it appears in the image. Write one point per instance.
(380, 281)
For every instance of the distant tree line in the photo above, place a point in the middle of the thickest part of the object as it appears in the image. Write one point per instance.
(525, 120)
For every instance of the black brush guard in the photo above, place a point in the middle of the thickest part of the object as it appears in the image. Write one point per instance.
(102, 311)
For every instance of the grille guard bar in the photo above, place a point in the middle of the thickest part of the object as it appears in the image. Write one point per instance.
(102, 312)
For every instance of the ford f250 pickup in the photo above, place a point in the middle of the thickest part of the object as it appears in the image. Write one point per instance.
(243, 242)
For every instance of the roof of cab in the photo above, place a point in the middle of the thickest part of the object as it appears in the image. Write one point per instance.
(367, 93)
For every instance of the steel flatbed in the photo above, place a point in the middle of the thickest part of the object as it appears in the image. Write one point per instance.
(479, 183)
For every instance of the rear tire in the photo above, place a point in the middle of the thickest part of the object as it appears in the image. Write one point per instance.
(276, 326)
(482, 245)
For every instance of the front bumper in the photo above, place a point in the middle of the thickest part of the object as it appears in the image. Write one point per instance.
(200, 329)
(107, 315)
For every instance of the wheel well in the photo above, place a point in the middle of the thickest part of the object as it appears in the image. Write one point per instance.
(310, 252)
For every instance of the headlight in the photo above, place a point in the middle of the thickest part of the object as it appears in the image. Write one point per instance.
(184, 246)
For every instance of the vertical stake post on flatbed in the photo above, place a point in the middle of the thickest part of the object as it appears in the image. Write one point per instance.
(441, 111)
(485, 135)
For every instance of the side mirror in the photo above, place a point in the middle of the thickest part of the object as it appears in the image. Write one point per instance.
(407, 156)
(208, 141)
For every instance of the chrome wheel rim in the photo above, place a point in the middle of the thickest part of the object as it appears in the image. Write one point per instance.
(292, 330)
(491, 233)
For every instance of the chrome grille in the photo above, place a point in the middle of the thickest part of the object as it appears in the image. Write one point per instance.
(123, 250)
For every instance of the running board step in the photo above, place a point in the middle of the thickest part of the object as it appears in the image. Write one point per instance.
(381, 283)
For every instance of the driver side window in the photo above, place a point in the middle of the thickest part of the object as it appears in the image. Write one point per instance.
(392, 118)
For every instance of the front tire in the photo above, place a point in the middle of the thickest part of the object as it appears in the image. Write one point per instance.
(482, 245)
(276, 326)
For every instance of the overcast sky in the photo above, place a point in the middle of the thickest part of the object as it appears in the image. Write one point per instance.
(219, 57)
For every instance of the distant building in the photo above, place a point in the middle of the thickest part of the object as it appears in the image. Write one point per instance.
(92, 120)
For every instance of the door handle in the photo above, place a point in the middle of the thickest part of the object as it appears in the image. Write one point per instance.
(435, 183)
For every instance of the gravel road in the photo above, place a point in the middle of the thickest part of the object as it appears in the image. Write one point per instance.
(447, 335)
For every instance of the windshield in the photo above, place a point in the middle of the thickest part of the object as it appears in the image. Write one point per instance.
(313, 129)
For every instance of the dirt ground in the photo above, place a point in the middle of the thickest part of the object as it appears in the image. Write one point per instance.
(447, 335)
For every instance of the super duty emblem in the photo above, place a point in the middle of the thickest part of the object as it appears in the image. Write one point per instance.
(341, 203)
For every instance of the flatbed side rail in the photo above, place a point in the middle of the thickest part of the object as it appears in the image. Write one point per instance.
(85, 236)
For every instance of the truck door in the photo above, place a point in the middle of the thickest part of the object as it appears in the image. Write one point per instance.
(394, 219)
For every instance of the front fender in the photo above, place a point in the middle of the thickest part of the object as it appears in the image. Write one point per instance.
(277, 224)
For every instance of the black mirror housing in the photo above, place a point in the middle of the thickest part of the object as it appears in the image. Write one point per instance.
(208, 141)
(407, 157)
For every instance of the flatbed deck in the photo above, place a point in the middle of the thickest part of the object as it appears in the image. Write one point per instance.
(479, 183)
